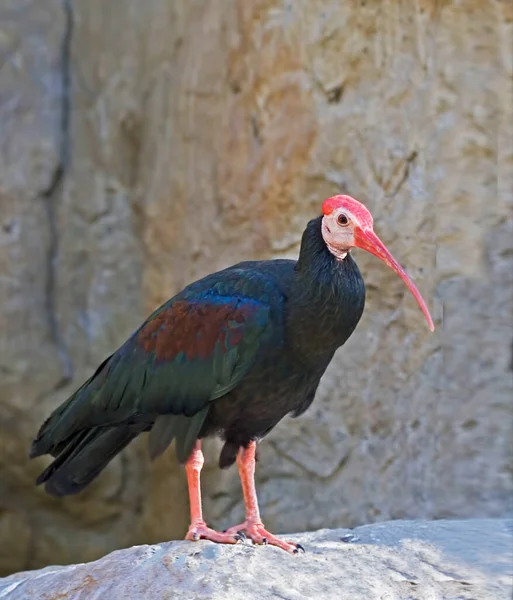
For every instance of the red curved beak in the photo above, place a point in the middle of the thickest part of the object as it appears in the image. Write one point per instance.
(368, 240)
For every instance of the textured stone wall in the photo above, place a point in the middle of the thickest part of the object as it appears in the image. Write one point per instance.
(143, 145)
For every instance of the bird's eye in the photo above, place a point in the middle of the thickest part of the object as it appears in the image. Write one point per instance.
(342, 219)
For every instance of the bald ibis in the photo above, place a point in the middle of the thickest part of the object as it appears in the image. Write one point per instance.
(230, 355)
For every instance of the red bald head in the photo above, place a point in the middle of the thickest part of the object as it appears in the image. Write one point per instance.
(351, 206)
(348, 224)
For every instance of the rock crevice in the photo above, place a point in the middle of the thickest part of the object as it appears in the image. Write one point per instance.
(51, 194)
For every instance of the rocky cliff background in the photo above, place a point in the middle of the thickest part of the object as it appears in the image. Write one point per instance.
(144, 144)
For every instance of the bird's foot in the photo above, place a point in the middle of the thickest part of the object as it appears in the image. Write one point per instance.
(200, 531)
(255, 531)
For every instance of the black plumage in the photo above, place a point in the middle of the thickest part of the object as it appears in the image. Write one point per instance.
(230, 355)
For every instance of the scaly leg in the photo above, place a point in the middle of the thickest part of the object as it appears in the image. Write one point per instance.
(198, 528)
(253, 526)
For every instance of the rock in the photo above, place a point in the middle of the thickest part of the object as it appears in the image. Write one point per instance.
(204, 133)
(454, 560)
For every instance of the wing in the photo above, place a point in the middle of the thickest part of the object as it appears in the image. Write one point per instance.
(192, 350)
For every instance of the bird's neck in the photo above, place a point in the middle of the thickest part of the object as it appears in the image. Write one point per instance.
(316, 263)
(329, 295)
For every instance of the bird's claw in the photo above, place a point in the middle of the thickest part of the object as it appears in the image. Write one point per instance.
(256, 532)
(240, 536)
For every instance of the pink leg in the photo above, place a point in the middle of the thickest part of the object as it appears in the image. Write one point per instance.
(198, 528)
(253, 526)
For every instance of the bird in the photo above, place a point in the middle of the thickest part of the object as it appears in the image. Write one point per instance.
(229, 356)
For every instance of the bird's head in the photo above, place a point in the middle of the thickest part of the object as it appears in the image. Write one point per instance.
(348, 224)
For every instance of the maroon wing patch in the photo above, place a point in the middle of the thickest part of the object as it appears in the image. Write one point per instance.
(194, 328)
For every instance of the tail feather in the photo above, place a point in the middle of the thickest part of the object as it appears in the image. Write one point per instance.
(70, 417)
(84, 457)
(85, 409)
(102, 417)
(185, 429)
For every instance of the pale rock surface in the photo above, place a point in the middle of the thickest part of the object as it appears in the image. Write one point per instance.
(417, 560)
(144, 144)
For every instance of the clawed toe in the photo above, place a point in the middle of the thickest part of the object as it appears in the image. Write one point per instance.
(260, 536)
(199, 531)
(240, 536)
(240, 533)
